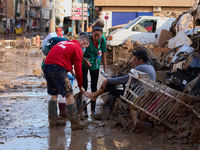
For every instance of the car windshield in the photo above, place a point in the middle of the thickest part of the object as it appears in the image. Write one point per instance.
(131, 23)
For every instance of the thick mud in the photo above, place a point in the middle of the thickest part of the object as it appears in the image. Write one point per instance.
(24, 118)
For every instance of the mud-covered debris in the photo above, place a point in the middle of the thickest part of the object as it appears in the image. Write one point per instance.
(37, 72)
(168, 106)
(44, 83)
(2, 88)
(2, 59)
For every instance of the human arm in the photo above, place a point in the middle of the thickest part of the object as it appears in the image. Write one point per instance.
(87, 63)
(104, 62)
(73, 73)
(119, 80)
(82, 90)
(78, 56)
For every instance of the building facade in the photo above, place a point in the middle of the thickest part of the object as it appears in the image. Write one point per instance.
(2, 14)
(31, 15)
(122, 11)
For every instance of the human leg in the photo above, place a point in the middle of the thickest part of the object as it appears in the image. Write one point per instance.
(64, 87)
(72, 114)
(61, 106)
(51, 73)
(105, 87)
(108, 105)
(94, 79)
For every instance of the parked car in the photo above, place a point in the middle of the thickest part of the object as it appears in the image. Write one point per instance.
(145, 29)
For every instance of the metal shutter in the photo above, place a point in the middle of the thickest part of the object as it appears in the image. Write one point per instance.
(122, 17)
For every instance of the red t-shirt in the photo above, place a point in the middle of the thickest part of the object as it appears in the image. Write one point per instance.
(66, 54)
(58, 29)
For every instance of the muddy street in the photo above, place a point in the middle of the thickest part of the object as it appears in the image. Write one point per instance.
(24, 119)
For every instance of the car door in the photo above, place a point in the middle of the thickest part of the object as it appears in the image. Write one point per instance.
(145, 31)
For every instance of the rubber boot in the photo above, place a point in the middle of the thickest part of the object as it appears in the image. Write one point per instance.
(107, 108)
(93, 106)
(62, 110)
(72, 114)
(53, 118)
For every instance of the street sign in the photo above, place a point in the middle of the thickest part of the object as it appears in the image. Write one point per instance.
(79, 9)
(79, 4)
(106, 17)
(77, 18)
(79, 13)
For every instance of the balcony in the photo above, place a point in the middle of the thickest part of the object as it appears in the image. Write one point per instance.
(34, 14)
(35, 5)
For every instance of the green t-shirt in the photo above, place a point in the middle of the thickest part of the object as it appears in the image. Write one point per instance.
(91, 53)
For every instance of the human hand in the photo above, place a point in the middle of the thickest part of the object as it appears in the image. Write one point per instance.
(88, 64)
(105, 70)
(82, 90)
(131, 61)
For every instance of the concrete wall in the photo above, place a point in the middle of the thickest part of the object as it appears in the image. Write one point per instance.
(165, 10)
(165, 3)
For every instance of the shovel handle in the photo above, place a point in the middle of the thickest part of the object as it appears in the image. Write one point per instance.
(87, 104)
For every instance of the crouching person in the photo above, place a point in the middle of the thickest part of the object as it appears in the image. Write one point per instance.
(57, 64)
(140, 61)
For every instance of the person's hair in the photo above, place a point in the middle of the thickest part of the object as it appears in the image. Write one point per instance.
(98, 25)
(84, 38)
(141, 54)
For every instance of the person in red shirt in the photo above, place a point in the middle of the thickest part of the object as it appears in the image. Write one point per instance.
(58, 62)
(59, 31)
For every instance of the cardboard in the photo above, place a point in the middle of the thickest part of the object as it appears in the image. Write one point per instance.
(159, 51)
(164, 36)
(180, 39)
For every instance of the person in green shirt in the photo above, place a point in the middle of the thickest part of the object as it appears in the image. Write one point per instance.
(92, 59)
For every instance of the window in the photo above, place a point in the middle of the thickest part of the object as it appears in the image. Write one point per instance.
(145, 25)
(26, 2)
(131, 23)
(26, 12)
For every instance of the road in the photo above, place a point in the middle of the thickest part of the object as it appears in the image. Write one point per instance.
(24, 118)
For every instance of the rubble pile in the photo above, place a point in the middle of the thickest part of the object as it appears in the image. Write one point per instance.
(174, 99)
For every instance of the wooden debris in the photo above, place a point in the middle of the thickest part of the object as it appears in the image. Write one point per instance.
(162, 103)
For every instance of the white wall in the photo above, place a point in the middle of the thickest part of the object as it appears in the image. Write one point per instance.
(108, 22)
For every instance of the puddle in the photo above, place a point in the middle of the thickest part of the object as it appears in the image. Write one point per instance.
(24, 115)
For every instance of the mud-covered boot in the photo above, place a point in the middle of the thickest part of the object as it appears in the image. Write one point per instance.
(62, 111)
(53, 118)
(93, 106)
(72, 114)
(107, 108)
(104, 114)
